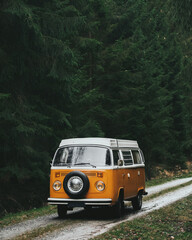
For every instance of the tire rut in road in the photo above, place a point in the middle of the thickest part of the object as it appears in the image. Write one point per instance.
(170, 184)
(86, 223)
(89, 229)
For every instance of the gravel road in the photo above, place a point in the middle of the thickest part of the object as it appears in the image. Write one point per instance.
(86, 224)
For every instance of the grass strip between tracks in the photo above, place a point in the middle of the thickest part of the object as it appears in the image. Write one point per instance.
(173, 222)
(14, 218)
(146, 198)
(39, 232)
(158, 181)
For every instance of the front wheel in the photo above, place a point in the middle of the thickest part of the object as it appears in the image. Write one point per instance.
(88, 208)
(137, 202)
(61, 210)
(118, 208)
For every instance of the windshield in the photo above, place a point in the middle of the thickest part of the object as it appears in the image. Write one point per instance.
(90, 156)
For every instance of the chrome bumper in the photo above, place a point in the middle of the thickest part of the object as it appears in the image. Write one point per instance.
(80, 202)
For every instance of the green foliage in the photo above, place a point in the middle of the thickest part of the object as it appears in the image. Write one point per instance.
(183, 10)
(37, 66)
(104, 68)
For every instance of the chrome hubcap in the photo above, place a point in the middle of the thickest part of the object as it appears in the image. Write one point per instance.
(75, 184)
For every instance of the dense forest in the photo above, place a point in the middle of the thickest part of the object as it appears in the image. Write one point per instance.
(82, 68)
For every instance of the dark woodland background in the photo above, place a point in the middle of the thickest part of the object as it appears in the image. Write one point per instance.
(82, 68)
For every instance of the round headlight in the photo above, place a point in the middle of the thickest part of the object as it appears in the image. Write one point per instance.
(100, 185)
(57, 185)
(75, 184)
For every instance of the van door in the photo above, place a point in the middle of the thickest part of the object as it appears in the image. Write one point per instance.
(140, 171)
(119, 172)
(130, 178)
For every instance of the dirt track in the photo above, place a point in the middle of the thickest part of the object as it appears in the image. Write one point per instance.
(87, 224)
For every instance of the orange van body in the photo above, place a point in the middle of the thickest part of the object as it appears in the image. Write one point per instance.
(123, 179)
(114, 180)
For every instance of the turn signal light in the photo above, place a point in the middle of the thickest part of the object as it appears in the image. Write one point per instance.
(57, 174)
(99, 174)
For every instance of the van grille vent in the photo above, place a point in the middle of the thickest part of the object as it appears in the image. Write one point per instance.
(89, 174)
(64, 174)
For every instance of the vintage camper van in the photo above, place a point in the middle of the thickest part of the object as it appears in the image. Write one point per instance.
(88, 172)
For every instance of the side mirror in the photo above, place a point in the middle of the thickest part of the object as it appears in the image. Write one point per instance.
(120, 162)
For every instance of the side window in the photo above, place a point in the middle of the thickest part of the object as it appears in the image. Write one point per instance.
(143, 158)
(127, 157)
(136, 157)
(108, 158)
(115, 156)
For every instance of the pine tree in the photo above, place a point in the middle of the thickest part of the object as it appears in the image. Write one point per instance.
(37, 67)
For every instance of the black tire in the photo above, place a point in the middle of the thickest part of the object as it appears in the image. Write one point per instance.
(88, 208)
(118, 208)
(137, 202)
(83, 191)
(61, 210)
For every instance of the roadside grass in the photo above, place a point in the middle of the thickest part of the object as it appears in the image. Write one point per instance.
(40, 232)
(146, 198)
(164, 179)
(171, 222)
(13, 218)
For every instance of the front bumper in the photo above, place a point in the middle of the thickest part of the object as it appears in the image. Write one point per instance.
(80, 202)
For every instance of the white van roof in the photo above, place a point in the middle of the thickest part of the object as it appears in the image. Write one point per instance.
(109, 142)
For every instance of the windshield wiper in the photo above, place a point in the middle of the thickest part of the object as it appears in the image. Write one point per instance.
(85, 164)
